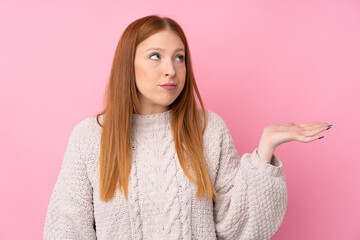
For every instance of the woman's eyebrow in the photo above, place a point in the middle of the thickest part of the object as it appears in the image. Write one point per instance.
(160, 49)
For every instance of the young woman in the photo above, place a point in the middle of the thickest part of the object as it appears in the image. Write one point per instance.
(154, 166)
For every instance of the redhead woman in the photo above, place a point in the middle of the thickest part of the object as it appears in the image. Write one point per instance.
(152, 165)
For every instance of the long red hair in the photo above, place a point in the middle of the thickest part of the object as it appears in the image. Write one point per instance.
(121, 101)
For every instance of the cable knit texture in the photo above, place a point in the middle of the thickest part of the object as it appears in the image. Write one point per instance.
(162, 202)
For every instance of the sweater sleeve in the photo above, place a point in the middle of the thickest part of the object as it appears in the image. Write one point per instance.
(252, 193)
(70, 211)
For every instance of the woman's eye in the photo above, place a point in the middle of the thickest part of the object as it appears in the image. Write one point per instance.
(178, 56)
(153, 55)
(181, 57)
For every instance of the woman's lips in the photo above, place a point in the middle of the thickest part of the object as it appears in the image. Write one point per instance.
(168, 86)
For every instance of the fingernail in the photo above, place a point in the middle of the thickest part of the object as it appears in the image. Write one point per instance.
(329, 127)
(321, 137)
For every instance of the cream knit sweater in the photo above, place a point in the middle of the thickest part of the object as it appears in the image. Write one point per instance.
(162, 202)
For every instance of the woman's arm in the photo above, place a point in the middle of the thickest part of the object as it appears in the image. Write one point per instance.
(70, 211)
(252, 193)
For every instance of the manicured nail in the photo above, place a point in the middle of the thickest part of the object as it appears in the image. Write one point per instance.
(321, 137)
(329, 127)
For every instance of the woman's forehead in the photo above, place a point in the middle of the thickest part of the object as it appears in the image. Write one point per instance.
(162, 41)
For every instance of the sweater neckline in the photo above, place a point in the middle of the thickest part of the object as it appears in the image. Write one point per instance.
(152, 121)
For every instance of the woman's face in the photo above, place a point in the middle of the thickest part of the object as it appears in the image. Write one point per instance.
(159, 59)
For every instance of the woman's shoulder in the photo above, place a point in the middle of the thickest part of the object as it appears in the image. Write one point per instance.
(88, 123)
(86, 129)
(214, 117)
(214, 122)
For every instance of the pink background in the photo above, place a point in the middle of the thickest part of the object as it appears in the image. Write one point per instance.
(256, 63)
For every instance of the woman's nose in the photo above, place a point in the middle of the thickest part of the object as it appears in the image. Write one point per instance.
(169, 69)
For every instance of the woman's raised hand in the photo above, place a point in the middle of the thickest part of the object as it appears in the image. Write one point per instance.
(282, 133)
(277, 134)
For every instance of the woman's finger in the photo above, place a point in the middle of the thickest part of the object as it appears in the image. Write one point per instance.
(312, 134)
(308, 139)
(316, 129)
(314, 125)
